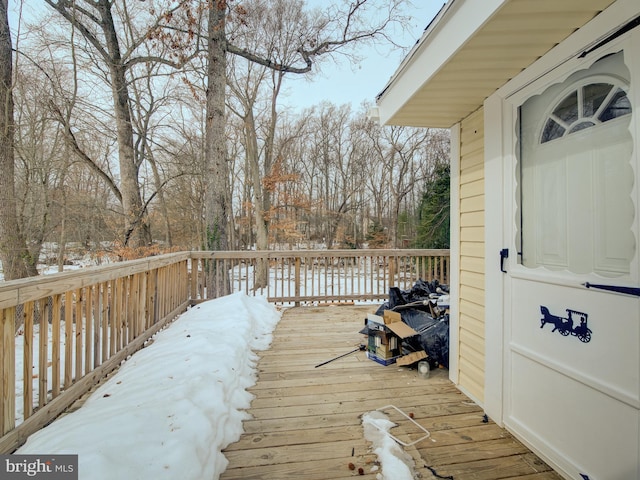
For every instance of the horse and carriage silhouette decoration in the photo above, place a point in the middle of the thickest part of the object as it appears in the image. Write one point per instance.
(565, 325)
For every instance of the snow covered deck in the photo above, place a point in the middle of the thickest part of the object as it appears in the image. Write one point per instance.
(307, 420)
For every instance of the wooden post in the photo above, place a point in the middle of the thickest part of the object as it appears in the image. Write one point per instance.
(392, 271)
(8, 369)
(193, 293)
(297, 281)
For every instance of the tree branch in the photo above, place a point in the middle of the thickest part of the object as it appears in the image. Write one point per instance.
(73, 142)
(63, 6)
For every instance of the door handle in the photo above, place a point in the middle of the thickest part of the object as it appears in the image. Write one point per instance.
(504, 253)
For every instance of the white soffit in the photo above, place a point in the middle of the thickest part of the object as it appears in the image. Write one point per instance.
(470, 50)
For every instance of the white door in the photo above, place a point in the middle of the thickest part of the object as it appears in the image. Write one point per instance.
(572, 353)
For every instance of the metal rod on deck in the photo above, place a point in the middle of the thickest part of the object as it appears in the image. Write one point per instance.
(359, 349)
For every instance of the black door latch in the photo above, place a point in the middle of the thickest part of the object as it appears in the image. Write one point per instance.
(635, 291)
(504, 253)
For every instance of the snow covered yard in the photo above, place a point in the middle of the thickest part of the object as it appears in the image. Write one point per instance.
(172, 407)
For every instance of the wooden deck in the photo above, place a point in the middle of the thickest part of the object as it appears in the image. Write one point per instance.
(306, 421)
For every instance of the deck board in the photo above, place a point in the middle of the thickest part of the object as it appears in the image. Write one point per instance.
(306, 420)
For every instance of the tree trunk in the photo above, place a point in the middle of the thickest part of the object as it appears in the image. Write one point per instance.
(16, 260)
(216, 208)
(262, 234)
(136, 228)
(161, 199)
(62, 244)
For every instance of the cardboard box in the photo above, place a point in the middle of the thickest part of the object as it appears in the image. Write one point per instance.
(411, 358)
(401, 330)
(374, 322)
(385, 336)
(381, 361)
(383, 344)
(389, 316)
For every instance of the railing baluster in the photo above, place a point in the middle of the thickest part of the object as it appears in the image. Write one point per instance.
(27, 359)
(68, 339)
(297, 282)
(97, 328)
(88, 347)
(104, 321)
(8, 366)
(79, 325)
(55, 348)
(43, 356)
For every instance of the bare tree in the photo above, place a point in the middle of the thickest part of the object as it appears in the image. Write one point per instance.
(297, 176)
(316, 36)
(217, 193)
(16, 259)
(96, 22)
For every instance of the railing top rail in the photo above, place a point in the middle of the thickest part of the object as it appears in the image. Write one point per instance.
(320, 253)
(15, 292)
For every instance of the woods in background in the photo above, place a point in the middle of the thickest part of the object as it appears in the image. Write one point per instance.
(116, 134)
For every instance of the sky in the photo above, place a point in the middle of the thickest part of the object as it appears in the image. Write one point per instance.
(350, 83)
(173, 422)
(344, 81)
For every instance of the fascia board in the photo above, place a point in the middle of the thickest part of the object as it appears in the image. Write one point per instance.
(441, 41)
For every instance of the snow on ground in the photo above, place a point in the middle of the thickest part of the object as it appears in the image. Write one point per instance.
(395, 462)
(173, 406)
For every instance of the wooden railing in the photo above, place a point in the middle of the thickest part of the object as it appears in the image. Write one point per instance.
(317, 276)
(96, 317)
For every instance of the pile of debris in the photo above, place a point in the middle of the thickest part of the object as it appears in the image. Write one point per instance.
(411, 326)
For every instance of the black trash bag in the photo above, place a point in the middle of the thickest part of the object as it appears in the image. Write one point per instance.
(382, 308)
(435, 341)
(433, 335)
(397, 297)
(417, 319)
(421, 290)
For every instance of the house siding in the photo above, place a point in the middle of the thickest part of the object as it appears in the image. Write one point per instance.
(471, 347)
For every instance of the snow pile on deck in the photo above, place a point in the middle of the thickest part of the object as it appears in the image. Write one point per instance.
(170, 409)
(395, 463)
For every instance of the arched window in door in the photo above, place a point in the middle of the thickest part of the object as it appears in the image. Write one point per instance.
(586, 106)
(575, 154)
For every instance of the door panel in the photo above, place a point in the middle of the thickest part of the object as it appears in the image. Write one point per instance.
(572, 354)
(577, 192)
(557, 412)
(607, 362)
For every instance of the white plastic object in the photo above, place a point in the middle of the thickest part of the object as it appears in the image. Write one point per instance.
(408, 418)
(423, 369)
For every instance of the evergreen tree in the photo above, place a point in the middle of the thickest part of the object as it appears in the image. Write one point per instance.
(434, 212)
(376, 236)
